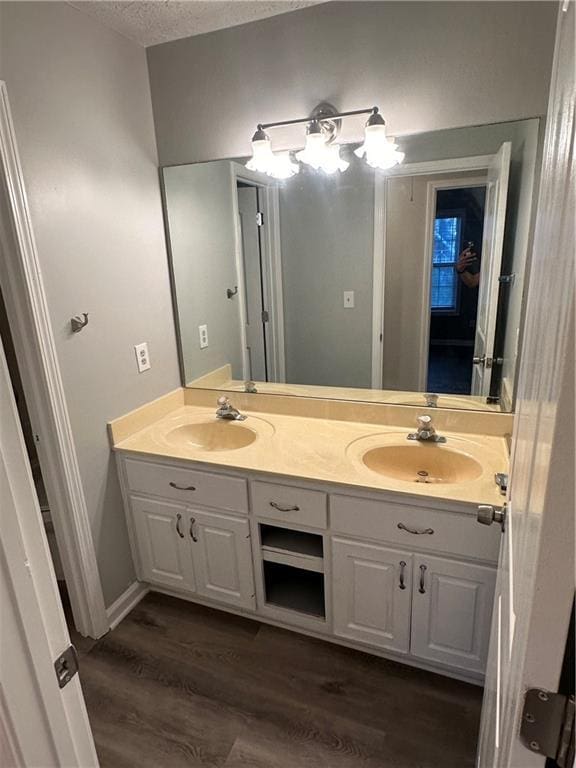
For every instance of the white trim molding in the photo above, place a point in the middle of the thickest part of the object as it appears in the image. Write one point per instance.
(27, 308)
(128, 600)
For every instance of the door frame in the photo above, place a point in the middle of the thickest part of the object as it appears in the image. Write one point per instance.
(452, 165)
(431, 189)
(269, 200)
(29, 318)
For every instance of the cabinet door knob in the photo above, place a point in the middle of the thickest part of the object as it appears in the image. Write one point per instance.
(416, 531)
(402, 585)
(192, 524)
(421, 588)
(178, 528)
(181, 487)
(285, 508)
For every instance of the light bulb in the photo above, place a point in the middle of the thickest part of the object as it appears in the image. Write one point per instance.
(320, 155)
(262, 159)
(284, 167)
(379, 151)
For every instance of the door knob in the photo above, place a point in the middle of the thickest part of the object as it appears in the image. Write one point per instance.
(479, 360)
(487, 515)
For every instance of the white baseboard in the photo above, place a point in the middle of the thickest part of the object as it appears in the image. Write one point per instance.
(128, 600)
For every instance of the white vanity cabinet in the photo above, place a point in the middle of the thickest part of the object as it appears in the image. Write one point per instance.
(409, 578)
(372, 594)
(184, 545)
(451, 612)
(222, 557)
(162, 546)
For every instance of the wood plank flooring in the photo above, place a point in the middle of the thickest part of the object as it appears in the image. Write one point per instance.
(176, 684)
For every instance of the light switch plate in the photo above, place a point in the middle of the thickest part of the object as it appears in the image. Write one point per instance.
(349, 299)
(142, 357)
(203, 334)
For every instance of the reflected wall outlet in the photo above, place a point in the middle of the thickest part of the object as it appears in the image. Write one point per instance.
(349, 299)
(142, 357)
(203, 333)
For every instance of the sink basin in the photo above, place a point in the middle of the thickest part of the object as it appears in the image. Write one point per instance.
(422, 463)
(212, 436)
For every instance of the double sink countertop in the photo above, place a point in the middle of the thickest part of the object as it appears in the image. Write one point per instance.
(350, 453)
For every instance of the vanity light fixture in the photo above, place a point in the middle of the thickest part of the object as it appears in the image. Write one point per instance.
(379, 151)
(321, 152)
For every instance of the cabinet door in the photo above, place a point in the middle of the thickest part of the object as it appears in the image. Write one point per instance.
(163, 546)
(452, 611)
(372, 588)
(222, 557)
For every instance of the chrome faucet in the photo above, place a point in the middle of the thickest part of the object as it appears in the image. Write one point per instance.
(431, 400)
(426, 431)
(250, 386)
(227, 411)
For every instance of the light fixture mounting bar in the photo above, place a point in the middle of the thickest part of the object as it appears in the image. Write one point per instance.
(335, 116)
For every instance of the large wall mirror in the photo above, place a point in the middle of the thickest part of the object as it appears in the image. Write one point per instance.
(401, 286)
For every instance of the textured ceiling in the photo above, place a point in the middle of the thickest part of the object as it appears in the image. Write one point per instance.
(150, 22)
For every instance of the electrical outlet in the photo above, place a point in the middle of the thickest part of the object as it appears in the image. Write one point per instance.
(349, 299)
(203, 333)
(142, 357)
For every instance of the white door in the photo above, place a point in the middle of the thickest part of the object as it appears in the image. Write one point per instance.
(372, 594)
(494, 222)
(451, 612)
(253, 306)
(41, 724)
(222, 557)
(535, 587)
(162, 533)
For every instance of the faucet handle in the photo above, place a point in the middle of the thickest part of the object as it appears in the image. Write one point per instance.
(424, 421)
(223, 400)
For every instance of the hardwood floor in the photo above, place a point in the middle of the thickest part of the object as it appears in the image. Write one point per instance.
(176, 684)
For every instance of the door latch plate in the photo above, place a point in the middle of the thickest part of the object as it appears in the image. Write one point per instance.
(548, 725)
(66, 666)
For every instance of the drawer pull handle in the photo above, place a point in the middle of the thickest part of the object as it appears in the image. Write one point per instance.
(192, 524)
(284, 508)
(178, 529)
(402, 568)
(421, 588)
(181, 487)
(404, 527)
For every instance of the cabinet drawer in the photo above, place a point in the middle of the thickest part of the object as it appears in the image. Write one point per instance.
(291, 505)
(187, 485)
(414, 527)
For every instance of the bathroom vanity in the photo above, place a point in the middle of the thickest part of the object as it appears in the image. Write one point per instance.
(319, 525)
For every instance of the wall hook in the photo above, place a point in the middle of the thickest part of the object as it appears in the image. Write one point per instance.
(78, 322)
(230, 292)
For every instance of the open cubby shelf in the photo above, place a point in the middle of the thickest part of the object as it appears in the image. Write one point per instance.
(294, 589)
(273, 537)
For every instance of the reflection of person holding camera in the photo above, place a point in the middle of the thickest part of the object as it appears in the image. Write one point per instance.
(468, 267)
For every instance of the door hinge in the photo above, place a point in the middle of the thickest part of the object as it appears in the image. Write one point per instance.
(265, 316)
(66, 666)
(548, 725)
(509, 279)
(259, 219)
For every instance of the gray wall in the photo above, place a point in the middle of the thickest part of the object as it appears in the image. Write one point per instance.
(327, 235)
(428, 65)
(202, 227)
(81, 105)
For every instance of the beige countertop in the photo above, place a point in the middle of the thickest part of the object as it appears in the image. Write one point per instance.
(323, 450)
